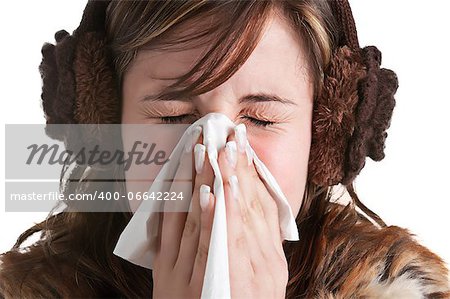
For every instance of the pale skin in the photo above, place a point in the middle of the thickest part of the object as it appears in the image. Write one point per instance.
(257, 263)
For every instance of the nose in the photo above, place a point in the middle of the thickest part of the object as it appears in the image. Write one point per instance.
(219, 100)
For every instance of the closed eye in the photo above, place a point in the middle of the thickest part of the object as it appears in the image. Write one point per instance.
(180, 118)
(174, 119)
(259, 122)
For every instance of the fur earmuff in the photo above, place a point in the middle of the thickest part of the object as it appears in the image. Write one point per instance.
(97, 99)
(333, 117)
(79, 82)
(373, 114)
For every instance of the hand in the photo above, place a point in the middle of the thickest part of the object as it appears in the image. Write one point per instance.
(258, 267)
(180, 261)
(257, 263)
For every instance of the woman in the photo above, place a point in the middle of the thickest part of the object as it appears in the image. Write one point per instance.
(322, 105)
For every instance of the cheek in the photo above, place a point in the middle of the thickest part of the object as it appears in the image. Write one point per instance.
(287, 159)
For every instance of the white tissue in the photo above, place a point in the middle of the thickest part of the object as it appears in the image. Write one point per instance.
(138, 240)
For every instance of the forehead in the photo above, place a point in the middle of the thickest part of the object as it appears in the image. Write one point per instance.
(279, 51)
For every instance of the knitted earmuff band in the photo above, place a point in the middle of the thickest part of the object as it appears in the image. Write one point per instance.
(350, 117)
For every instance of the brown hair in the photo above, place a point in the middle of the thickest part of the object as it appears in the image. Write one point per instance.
(128, 32)
(74, 255)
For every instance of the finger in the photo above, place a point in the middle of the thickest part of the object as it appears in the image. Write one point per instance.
(235, 162)
(270, 210)
(263, 218)
(245, 169)
(229, 164)
(262, 251)
(256, 258)
(191, 232)
(261, 268)
(207, 202)
(239, 258)
(227, 160)
(245, 157)
(175, 214)
(258, 199)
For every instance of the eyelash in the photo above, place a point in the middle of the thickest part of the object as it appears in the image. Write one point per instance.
(180, 118)
(258, 122)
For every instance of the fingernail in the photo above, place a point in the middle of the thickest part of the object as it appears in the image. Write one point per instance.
(231, 152)
(199, 153)
(204, 196)
(192, 138)
(234, 187)
(241, 136)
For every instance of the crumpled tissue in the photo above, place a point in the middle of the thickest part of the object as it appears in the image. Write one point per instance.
(138, 240)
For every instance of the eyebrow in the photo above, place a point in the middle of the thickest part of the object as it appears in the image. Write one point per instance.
(250, 98)
(265, 97)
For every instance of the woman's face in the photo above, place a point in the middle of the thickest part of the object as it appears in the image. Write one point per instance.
(277, 68)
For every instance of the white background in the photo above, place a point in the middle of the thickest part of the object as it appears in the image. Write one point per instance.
(409, 188)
